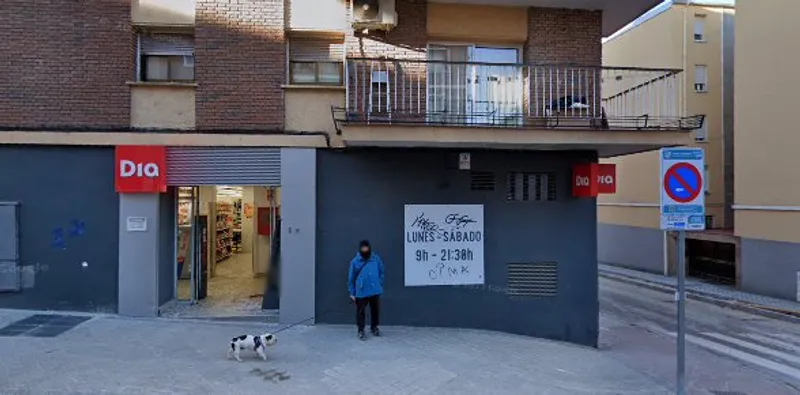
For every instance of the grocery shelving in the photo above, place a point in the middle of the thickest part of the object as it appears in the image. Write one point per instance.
(224, 231)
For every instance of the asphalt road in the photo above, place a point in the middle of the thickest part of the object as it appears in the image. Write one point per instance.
(728, 352)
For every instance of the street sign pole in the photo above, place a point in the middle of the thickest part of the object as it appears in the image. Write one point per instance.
(681, 298)
(682, 209)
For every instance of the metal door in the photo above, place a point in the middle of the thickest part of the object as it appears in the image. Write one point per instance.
(9, 247)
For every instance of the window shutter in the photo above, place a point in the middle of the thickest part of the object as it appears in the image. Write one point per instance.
(167, 44)
(303, 49)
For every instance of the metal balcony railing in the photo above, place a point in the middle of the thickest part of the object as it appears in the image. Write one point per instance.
(391, 91)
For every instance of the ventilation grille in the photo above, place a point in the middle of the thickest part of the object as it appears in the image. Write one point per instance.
(523, 187)
(481, 181)
(532, 279)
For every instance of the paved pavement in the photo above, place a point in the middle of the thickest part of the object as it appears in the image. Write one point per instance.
(703, 288)
(115, 355)
(728, 351)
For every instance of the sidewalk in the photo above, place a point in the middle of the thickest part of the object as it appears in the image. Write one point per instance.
(115, 355)
(721, 295)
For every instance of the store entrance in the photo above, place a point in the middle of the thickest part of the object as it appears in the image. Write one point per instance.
(225, 245)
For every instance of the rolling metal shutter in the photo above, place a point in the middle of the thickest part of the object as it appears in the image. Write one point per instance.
(189, 166)
(167, 44)
(316, 49)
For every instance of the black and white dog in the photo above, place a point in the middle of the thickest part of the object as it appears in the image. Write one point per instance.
(257, 343)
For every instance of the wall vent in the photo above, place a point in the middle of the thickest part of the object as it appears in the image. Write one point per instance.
(481, 181)
(538, 279)
(523, 187)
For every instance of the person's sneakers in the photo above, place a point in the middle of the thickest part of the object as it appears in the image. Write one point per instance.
(376, 332)
(362, 335)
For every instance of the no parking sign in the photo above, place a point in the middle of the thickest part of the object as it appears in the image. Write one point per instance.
(682, 189)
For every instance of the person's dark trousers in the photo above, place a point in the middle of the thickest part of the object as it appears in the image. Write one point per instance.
(374, 312)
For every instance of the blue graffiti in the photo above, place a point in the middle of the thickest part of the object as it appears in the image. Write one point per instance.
(58, 239)
(77, 228)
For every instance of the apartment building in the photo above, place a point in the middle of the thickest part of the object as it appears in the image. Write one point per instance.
(696, 36)
(766, 197)
(462, 138)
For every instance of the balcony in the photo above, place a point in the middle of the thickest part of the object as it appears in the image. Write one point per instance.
(644, 105)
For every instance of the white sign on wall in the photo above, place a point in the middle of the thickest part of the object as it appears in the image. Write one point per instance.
(136, 224)
(443, 244)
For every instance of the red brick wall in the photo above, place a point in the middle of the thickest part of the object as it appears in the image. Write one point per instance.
(240, 64)
(564, 36)
(65, 63)
(407, 41)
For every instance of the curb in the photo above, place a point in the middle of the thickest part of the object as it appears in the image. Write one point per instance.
(706, 298)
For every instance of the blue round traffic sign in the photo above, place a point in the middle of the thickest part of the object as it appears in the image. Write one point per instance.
(683, 182)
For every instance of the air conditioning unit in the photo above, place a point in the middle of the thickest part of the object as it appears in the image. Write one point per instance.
(373, 14)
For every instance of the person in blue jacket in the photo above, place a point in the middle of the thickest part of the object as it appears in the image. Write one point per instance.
(365, 283)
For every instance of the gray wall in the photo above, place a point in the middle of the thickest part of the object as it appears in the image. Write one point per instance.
(139, 255)
(770, 268)
(362, 193)
(631, 246)
(298, 238)
(58, 185)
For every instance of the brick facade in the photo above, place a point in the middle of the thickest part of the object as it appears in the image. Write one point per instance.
(564, 36)
(407, 41)
(65, 63)
(240, 64)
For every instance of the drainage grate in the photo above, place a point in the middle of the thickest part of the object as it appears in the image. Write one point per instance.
(481, 181)
(42, 325)
(533, 279)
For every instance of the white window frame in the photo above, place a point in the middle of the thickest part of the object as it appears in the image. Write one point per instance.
(699, 28)
(470, 48)
(700, 84)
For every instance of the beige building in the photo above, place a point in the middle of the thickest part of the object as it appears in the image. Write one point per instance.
(767, 204)
(697, 37)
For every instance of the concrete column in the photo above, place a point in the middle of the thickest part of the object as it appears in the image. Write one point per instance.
(298, 234)
(139, 235)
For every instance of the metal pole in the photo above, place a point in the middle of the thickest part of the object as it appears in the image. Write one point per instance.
(681, 298)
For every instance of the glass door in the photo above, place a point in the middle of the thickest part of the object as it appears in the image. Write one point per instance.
(191, 246)
(186, 213)
(496, 93)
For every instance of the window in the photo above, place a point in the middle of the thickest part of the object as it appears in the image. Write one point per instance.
(699, 27)
(702, 133)
(316, 73)
(701, 78)
(523, 187)
(316, 61)
(166, 57)
(709, 222)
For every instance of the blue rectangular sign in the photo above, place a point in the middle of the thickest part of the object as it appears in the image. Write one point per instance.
(682, 187)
